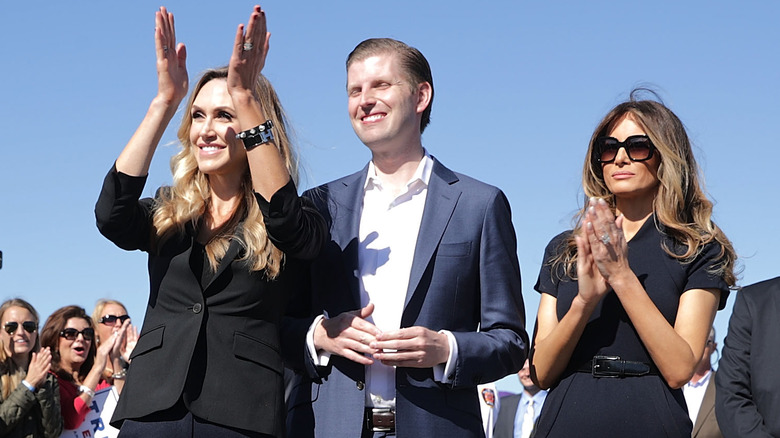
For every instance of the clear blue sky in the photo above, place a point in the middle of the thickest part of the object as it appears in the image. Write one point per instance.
(519, 87)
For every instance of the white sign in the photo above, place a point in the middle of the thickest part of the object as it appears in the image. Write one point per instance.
(95, 424)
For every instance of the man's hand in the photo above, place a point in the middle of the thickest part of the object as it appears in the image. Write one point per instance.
(348, 335)
(413, 347)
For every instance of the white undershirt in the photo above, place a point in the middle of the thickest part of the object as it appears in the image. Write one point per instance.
(694, 395)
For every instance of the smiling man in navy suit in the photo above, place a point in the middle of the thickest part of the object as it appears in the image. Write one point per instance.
(419, 287)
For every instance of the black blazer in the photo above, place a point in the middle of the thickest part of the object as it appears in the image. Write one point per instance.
(220, 341)
(747, 400)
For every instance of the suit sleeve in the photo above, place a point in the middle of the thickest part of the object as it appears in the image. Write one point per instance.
(736, 412)
(500, 346)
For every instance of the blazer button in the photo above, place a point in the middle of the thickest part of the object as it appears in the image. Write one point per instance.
(197, 308)
(360, 385)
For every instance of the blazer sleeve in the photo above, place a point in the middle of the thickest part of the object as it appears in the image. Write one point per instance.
(294, 225)
(121, 217)
(500, 346)
(735, 409)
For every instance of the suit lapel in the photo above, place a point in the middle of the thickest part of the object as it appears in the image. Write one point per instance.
(232, 252)
(708, 402)
(440, 203)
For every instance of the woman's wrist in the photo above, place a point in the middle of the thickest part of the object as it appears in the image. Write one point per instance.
(166, 105)
(29, 385)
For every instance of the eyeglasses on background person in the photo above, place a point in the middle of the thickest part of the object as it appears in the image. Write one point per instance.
(28, 326)
(71, 334)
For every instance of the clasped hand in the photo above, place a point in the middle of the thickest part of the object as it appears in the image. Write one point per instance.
(351, 336)
(601, 250)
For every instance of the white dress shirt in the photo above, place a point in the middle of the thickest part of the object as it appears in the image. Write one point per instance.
(694, 395)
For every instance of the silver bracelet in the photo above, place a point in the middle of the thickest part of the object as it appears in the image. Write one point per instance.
(85, 389)
(119, 375)
(256, 136)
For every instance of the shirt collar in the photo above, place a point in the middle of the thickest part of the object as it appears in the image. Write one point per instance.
(703, 381)
(421, 174)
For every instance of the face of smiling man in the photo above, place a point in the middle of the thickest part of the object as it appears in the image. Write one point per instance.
(384, 108)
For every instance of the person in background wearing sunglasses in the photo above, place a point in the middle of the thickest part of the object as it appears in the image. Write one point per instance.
(77, 362)
(109, 316)
(30, 398)
(631, 293)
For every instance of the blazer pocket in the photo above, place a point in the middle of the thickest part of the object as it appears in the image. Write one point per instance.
(246, 347)
(454, 249)
(148, 341)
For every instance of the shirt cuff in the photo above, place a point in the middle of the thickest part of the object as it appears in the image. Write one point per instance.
(320, 359)
(445, 373)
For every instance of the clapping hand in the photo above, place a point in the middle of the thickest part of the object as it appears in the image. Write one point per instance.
(250, 49)
(40, 364)
(172, 80)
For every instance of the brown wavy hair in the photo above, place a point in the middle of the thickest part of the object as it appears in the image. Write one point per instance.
(10, 374)
(50, 337)
(682, 210)
(188, 199)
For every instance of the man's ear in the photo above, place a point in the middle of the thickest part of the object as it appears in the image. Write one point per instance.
(424, 92)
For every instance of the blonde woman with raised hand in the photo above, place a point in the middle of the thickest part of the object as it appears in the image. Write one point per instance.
(224, 242)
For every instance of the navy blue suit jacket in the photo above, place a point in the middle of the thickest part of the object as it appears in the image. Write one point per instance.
(465, 278)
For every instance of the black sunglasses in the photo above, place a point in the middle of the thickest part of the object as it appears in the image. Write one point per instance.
(111, 319)
(71, 334)
(28, 326)
(638, 148)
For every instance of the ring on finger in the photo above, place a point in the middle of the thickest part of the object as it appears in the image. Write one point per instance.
(165, 50)
(605, 239)
(248, 46)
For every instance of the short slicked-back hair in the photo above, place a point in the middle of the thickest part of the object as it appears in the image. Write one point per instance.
(412, 60)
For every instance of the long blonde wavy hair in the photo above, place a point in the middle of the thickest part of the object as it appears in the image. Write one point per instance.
(682, 210)
(188, 199)
(10, 374)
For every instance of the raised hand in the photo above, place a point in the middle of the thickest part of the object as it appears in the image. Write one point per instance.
(131, 338)
(250, 49)
(40, 364)
(172, 79)
(348, 335)
(119, 337)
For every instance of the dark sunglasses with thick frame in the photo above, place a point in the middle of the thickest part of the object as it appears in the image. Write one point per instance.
(28, 326)
(71, 334)
(637, 147)
(111, 319)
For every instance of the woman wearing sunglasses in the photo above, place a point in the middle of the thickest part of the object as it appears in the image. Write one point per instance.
(629, 296)
(109, 316)
(29, 394)
(77, 362)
